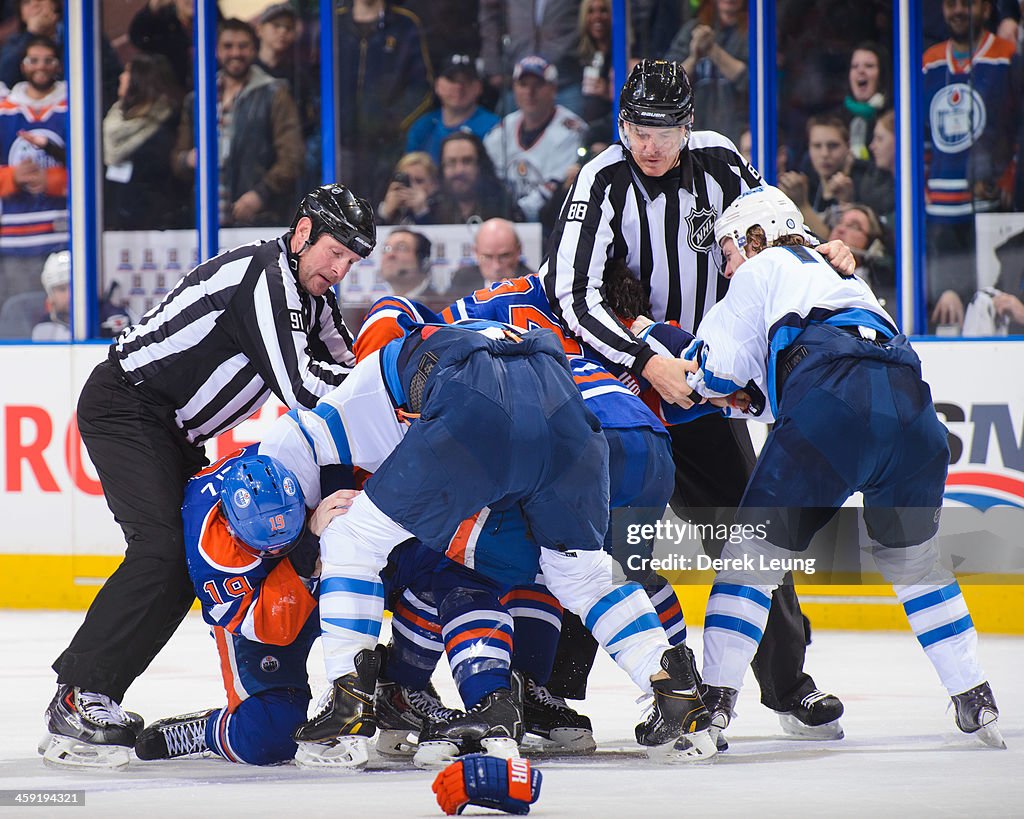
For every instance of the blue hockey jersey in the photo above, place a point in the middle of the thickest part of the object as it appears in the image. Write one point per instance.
(261, 599)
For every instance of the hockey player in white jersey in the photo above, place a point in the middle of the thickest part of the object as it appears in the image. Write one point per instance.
(818, 354)
(444, 440)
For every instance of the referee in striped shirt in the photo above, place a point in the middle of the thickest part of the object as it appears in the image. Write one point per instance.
(255, 320)
(652, 201)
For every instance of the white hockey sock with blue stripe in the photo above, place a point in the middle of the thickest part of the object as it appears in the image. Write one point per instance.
(936, 610)
(939, 617)
(621, 617)
(733, 627)
(354, 548)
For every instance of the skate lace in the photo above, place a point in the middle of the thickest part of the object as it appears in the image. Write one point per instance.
(185, 737)
(545, 697)
(648, 705)
(100, 709)
(428, 705)
(814, 697)
(325, 703)
(980, 697)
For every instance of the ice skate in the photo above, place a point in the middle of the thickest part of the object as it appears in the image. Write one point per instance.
(338, 736)
(677, 727)
(558, 727)
(721, 704)
(401, 713)
(494, 725)
(183, 735)
(89, 730)
(815, 716)
(976, 713)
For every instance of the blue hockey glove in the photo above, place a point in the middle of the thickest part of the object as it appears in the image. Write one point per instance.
(508, 785)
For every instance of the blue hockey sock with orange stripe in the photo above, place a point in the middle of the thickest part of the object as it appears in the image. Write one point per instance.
(668, 608)
(538, 623)
(416, 644)
(478, 640)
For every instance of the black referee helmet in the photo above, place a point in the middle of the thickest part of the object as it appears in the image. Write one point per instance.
(657, 94)
(336, 211)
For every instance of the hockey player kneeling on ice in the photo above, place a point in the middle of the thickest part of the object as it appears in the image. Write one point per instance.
(253, 560)
(494, 420)
(817, 353)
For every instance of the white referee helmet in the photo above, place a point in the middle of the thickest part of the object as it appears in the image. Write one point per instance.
(766, 206)
(56, 270)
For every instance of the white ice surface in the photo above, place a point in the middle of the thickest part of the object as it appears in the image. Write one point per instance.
(902, 756)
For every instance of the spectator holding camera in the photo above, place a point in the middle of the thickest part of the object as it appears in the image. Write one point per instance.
(458, 87)
(411, 197)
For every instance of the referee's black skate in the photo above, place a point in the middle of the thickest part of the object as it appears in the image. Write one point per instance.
(560, 727)
(976, 713)
(721, 704)
(88, 729)
(401, 712)
(183, 735)
(814, 716)
(677, 728)
(494, 726)
(338, 736)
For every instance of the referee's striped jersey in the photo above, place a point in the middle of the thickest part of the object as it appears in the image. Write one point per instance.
(662, 228)
(233, 330)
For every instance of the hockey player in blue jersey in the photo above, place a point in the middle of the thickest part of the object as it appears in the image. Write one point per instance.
(640, 472)
(415, 414)
(253, 560)
(819, 354)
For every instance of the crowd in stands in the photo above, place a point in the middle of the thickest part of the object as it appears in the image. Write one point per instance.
(443, 121)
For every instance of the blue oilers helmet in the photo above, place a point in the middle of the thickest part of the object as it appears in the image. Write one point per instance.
(264, 506)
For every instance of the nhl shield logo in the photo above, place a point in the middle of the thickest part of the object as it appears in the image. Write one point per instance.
(701, 230)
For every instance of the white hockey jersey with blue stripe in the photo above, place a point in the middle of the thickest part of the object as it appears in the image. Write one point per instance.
(771, 300)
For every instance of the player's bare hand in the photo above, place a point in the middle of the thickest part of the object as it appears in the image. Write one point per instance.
(738, 400)
(839, 255)
(949, 309)
(668, 376)
(1008, 305)
(640, 323)
(331, 507)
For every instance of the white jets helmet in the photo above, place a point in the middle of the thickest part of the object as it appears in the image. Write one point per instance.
(56, 270)
(766, 206)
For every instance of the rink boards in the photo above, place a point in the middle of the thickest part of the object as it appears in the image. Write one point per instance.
(59, 541)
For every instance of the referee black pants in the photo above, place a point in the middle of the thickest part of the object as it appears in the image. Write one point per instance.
(714, 458)
(143, 461)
